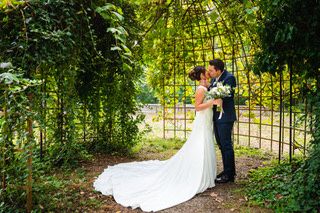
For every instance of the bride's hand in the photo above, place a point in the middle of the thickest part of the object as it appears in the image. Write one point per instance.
(212, 102)
(217, 102)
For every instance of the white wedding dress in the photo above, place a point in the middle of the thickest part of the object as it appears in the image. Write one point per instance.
(155, 185)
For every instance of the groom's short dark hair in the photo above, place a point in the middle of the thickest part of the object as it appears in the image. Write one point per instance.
(217, 63)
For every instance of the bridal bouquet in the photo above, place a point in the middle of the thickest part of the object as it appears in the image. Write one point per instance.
(220, 91)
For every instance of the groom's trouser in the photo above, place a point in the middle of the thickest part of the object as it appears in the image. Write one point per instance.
(223, 133)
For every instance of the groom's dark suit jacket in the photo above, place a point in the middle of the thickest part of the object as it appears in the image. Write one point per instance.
(229, 114)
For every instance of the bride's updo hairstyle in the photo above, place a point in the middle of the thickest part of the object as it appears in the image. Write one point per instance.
(195, 74)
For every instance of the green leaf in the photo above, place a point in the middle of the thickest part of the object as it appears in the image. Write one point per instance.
(114, 30)
(125, 48)
(116, 48)
(121, 38)
(8, 78)
(214, 16)
(127, 67)
(120, 17)
(105, 8)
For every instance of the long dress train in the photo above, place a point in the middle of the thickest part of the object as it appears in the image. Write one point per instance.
(155, 185)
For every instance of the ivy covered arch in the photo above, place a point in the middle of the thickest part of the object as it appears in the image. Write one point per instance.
(185, 34)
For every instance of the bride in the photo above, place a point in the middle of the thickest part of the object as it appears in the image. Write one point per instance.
(155, 185)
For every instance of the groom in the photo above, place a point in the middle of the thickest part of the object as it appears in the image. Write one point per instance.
(223, 127)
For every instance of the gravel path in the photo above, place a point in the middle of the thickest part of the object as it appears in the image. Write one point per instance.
(222, 198)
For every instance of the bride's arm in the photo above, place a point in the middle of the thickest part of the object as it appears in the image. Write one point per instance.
(199, 105)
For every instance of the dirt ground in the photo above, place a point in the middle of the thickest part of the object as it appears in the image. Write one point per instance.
(221, 198)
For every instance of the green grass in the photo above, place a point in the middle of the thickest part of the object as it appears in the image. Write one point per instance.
(157, 144)
(252, 152)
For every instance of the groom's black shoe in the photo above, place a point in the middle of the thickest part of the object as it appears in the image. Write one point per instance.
(220, 174)
(224, 179)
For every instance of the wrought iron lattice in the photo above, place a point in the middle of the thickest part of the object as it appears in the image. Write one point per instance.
(266, 105)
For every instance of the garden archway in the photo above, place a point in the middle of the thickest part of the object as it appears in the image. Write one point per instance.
(190, 33)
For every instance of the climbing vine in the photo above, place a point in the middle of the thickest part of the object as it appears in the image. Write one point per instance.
(77, 64)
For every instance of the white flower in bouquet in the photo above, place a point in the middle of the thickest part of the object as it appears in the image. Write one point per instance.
(220, 91)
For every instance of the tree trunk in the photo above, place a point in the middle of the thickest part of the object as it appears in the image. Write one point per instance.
(29, 161)
(5, 135)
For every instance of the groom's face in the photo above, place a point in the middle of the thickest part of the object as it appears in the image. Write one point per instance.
(213, 72)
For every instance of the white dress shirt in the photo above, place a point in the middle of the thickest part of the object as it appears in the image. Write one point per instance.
(217, 79)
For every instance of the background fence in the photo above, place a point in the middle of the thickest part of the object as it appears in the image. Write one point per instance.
(271, 111)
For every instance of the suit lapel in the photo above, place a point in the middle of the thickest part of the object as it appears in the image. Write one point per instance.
(223, 76)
